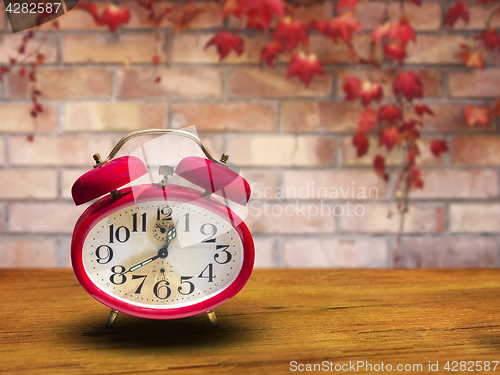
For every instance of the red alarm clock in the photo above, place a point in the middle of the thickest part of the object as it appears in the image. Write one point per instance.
(161, 250)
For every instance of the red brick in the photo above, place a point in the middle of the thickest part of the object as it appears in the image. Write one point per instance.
(447, 118)
(28, 253)
(474, 83)
(431, 80)
(322, 11)
(113, 116)
(2, 152)
(333, 184)
(2, 218)
(335, 253)
(175, 83)
(378, 219)
(63, 253)
(458, 184)
(447, 252)
(330, 52)
(111, 48)
(320, 117)
(393, 158)
(75, 83)
(256, 83)
(263, 183)
(475, 150)
(210, 18)
(9, 45)
(435, 49)
(57, 151)
(43, 217)
(282, 151)
(475, 218)
(235, 117)
(28, 184)
(264, 249)
(287, 218)
(426, 17)
(190, 49)
(2, 17)
(16, 118)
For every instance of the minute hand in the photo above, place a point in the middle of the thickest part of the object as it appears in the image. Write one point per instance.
(139, 265)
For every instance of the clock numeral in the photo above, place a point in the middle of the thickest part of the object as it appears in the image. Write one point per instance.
(224, 250)
(163, 211)
(186, 222)
(134, 222)
(184, 280)
(158, 289)
(138, 290)
(211, 233)
(118, 274)
(118, 234)
(104, 259)
(210, 271)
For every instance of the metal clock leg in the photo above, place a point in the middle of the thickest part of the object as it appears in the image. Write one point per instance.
(213, 318)
(112, 316)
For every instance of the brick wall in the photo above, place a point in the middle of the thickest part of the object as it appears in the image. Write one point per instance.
(97, 86)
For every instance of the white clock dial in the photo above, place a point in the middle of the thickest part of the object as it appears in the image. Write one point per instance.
(162, 255)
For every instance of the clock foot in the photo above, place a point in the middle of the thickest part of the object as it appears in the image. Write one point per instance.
(213, 318)
(112, 316)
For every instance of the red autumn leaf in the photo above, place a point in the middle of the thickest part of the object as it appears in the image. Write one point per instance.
(370, 91)
(495, 112)
(234, 7)
(395, 51)
(91, 8)
(476, 115)
(350, 4)
(367, 120)
(4, 70)
(351, 87)
(421, 109)
(321, 26)
(344, 26)
(402, 31)
(490, 39)
(38, 107)
(416, 2)
(32, 77)
(289, 33)
(225, 41)
(33, 113)
(438, 147)
(360, 141)
(114, 17)
(415, 178)
(158, 79)
(389, 113)
(181, 20)
(22, 71)
(389, 137)
(471, 58)
(30, 137)
(381, 32)
(379, 165)
(409, 85)
(458, 10)
(40, 58)
(260, 13)
(411, 157)
(269, 53)
(304, 67)
(156, 59)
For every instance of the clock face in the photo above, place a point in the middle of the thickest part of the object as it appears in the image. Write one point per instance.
(162, 254)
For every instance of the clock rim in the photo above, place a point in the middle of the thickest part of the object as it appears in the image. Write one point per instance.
(144, 193)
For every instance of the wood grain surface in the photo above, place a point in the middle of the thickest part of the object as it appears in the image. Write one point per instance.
(49, 325)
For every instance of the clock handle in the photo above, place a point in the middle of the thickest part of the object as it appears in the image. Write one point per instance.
(129, 136)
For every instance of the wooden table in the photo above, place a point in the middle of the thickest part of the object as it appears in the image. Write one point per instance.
(49, 325)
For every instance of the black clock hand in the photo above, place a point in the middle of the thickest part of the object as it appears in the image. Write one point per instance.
(162, 253)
